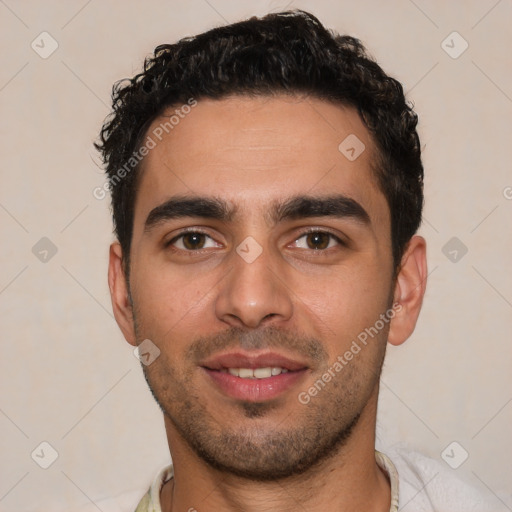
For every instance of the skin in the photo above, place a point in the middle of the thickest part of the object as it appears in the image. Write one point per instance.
(306, 297)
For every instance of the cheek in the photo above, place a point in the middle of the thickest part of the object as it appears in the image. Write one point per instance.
(345, 304)
(166, 301)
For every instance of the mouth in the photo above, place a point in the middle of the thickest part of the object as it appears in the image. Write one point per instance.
(254, 377)
(255, 373)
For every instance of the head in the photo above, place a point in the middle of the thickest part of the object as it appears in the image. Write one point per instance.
(266, 212)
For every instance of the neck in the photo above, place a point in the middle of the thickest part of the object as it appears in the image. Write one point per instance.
(349, 479)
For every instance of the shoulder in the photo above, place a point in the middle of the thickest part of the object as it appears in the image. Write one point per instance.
(427, 485)
(134, 501)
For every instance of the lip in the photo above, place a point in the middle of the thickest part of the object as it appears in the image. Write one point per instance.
(252, 360)
(254, 390)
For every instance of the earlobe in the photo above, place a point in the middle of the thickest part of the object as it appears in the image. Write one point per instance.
(409, 291)
(119, 293)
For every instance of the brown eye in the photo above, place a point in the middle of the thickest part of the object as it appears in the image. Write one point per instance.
(318, 241)
(192, 241)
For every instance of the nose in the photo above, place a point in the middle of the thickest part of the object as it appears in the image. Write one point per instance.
(254, 293)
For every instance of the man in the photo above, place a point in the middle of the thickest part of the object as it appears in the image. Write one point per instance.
(267, 185)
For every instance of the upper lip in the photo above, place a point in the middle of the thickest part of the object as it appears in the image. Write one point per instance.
(239, 359)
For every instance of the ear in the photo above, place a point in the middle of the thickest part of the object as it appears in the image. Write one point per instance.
(119, 293)
(409, 290)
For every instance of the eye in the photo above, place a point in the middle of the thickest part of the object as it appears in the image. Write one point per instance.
(191, 241)
(318, 240)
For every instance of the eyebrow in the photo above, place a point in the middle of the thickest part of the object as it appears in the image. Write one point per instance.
(293, 208)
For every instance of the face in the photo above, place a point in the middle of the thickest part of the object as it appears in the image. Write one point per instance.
(260, 254)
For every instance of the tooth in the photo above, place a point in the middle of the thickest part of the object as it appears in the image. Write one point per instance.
(257, 373)
(262, 373)
(245, 373)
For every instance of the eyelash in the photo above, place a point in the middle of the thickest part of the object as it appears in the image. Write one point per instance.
(181, 235)
(170, 243)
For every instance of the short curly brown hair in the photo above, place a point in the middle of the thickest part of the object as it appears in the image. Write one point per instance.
(289, 52)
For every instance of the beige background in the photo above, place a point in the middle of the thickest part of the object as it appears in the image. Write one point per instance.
(67, 376)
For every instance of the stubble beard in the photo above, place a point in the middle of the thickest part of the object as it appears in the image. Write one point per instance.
(259, 450)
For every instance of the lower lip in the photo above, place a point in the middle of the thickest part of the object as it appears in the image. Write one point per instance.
(255, 390)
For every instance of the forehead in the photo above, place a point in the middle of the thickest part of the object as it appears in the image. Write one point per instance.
(254, 151)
